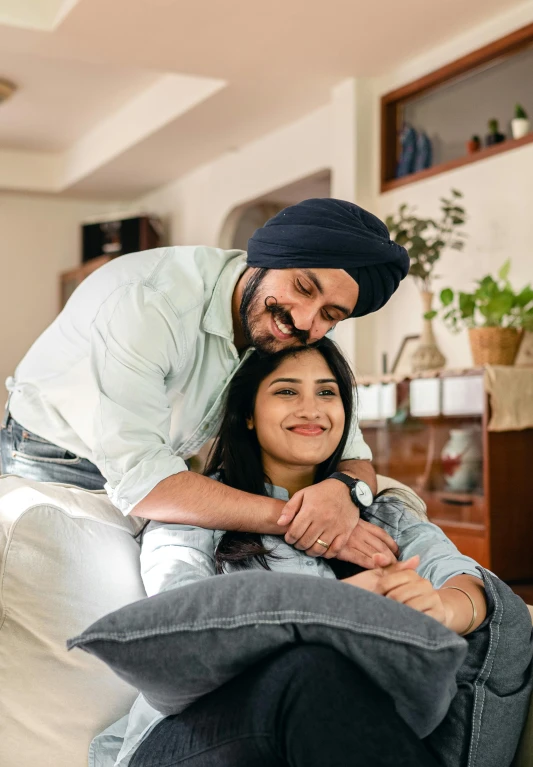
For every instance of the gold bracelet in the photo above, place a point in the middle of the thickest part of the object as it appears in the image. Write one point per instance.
(474, 611)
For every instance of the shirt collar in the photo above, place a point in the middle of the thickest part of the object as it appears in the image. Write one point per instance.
(218, 319)
(274, 491)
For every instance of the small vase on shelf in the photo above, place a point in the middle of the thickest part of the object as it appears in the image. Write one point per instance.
(461, 460)
(427, 355)
(520, 123)
(474, 145)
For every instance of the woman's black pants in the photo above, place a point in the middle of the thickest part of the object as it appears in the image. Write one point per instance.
(304, 707)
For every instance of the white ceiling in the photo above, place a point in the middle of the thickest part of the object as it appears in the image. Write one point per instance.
(117, 97)
(48, 114)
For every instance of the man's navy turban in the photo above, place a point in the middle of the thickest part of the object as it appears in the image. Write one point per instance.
(333, 234)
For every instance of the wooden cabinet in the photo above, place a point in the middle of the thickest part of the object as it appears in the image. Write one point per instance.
(491, 521)
(69, 281)
(106, 240)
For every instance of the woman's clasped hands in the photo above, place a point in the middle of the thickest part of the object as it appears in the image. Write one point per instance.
(400, 581)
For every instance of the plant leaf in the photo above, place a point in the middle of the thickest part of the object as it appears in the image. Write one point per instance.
(401, 237)
(504, 271)
(446, 296)
(525, 296)
(499, 307)
(467, 304)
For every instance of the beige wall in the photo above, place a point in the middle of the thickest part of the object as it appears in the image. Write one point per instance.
(39, 238)
(196, 206)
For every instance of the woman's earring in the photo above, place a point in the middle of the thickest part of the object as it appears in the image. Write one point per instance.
(250, 423)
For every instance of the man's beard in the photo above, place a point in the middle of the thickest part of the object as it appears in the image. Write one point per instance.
(251, 313)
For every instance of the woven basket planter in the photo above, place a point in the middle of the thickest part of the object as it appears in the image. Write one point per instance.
(494, 346)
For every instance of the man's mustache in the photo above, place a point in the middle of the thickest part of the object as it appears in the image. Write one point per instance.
(285, 318)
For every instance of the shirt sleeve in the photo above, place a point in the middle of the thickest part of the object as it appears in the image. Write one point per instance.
(137, 340)
(440, 559)
(356, 447)
(175, 555)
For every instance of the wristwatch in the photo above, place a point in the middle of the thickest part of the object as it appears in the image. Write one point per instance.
(360, 492)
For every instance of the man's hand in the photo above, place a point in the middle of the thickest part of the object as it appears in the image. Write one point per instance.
(365, 541)
(373, 580)
(324, 511)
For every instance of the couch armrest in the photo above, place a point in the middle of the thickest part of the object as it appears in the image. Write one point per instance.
(403, 493)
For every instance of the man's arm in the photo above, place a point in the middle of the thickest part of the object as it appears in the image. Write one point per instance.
(189, 498)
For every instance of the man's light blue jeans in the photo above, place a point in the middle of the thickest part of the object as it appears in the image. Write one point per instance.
(28, 455)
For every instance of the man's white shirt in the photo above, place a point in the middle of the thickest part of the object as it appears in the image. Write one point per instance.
(133, 373)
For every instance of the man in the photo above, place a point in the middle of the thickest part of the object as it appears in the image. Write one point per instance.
(129, 380)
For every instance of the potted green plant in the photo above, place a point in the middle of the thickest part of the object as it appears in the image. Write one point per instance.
(494, 135)
(425, 239)
(520, 123)
(474, 145)
(494, 314)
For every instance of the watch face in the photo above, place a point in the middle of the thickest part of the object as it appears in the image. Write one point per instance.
(363, 494)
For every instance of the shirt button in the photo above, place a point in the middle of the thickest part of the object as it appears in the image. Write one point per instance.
(309, 564)
(205, 427)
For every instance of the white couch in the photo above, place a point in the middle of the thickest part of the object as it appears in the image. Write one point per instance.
(67, 557)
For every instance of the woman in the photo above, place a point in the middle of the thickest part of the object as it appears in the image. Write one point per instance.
(286, 423)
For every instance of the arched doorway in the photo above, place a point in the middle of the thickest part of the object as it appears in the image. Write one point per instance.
(244, 219)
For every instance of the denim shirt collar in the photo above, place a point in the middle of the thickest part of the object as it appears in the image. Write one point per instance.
(277, 492)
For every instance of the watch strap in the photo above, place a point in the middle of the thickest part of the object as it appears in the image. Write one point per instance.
(346, 478)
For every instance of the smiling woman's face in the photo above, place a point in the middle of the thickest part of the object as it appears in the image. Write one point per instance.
(298, 415)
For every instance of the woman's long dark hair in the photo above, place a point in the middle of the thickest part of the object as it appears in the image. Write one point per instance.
(236, 454)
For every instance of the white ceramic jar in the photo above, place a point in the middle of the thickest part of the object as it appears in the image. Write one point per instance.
(462, 459)
(520, 127)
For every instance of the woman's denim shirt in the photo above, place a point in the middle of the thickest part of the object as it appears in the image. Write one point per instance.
(175, 555)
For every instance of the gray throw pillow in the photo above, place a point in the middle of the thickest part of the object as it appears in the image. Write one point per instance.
(486, 717)
(181, 644)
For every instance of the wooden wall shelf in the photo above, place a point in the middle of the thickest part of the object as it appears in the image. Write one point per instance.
(482, 154)
(393, 103)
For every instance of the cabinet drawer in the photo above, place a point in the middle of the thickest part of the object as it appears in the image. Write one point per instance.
(471, 543)
(455, 507)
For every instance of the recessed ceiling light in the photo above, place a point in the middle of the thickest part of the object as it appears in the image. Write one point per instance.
(7, 89)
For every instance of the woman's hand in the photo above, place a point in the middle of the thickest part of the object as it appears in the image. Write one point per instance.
(449, 605)
(325, 511)
(372, 580)
(403, 584)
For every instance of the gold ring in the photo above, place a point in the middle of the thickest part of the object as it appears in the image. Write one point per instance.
(322, 543)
